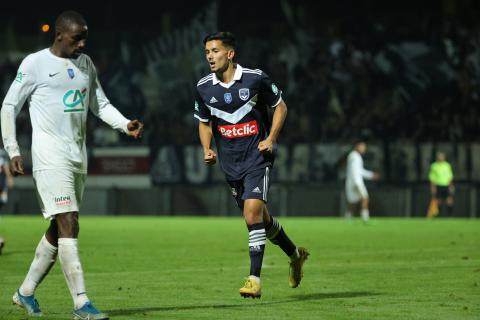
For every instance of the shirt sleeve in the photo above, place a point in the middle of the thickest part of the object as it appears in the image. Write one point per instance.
(367, 174)
(20, 90)
(202, 113)
(431, 174)
(102, 108)
(269, 92)
(450, 172)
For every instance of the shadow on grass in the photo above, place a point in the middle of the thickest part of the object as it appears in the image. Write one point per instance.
(294, 298)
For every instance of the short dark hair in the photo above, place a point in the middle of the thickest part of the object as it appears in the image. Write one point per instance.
(227, 38)
(358, 141)
(68, 18)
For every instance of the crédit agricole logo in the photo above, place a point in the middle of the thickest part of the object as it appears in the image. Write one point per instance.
(74, 100)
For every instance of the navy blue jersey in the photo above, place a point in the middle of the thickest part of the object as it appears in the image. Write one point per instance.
(239, 116)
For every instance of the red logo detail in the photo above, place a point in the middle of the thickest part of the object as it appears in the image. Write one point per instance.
(239, 130)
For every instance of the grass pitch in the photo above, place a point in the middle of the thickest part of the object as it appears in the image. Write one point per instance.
(192, 268)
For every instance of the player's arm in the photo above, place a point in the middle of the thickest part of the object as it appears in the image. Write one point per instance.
(102, 108)
(451, 186)
(279, 116)
(272, 96)
(205, 134)
(431, 178)
(20, 89)
(369, 175)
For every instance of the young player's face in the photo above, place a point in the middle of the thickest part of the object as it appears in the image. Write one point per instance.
(362, 148)
(73, 40)
(218, 56)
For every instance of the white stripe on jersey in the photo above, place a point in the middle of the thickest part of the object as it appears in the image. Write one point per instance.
(204, 79)
(237, 115)
(201, 119)
(256, 71)
(265, 184)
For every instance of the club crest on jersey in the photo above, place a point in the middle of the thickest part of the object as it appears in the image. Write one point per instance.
(71, 74)
(227, 97)
(244, 94)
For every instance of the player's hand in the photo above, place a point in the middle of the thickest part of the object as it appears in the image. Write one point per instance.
(209, 156)
(376, 176)
(16, 166)
(265, 146)
(135, 129)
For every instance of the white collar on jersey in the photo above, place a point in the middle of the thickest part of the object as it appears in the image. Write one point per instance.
(236, 76)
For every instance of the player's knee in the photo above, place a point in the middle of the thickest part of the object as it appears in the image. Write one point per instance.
(365, 203)
(67, 224)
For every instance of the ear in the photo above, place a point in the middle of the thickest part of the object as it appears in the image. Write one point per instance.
(231, 54)
(58, 36)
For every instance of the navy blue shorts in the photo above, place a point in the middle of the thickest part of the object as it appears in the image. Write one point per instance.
(443, 192)
(253, 186)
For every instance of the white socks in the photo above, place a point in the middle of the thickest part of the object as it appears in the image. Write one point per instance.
(72, 269)
(45, 256)
(365, 214)
(348, 214)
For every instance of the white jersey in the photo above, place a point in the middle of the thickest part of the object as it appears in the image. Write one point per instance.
(60, 92)
(354, 183)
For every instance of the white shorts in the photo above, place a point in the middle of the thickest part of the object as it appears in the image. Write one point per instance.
(59, 191)
(354, 194)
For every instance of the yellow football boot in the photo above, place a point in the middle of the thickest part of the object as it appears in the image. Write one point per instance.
(251, 289)
(296, 268)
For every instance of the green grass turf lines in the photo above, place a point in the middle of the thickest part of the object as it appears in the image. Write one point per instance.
(192, 268)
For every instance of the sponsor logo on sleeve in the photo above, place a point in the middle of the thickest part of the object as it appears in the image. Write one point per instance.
(20, 76)
(239, 130)
(196, 106)
(274, 89)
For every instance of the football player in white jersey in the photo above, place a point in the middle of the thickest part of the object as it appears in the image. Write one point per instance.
(61, 86)
(355, 189)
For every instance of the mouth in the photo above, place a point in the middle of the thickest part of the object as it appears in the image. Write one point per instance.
(212, 64)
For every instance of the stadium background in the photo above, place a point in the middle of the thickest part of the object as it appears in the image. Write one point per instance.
(404, 75)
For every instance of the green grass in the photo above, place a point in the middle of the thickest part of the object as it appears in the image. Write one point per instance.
(192, 268)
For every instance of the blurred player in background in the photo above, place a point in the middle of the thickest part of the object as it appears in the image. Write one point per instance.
(232, 106)
(6, 182)
(61, 86)
(441, 186)
(355, 189)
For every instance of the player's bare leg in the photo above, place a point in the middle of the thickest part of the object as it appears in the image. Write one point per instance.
(253, 214)
(449, 205)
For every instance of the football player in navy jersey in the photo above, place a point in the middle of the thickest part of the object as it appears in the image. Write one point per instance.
(231, 105)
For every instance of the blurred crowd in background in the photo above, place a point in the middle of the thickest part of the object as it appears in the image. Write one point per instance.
(347, 70)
